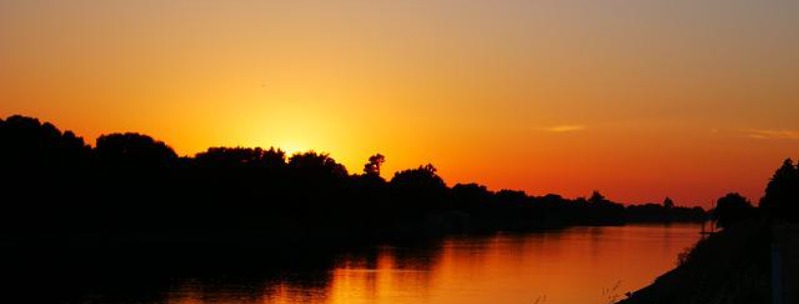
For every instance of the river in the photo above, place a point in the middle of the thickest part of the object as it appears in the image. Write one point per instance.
(573, 265)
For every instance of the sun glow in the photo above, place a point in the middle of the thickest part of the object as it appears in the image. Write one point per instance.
(572, 99)
(292, 147)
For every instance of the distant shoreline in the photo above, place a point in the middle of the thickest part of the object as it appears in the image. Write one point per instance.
(131, 184)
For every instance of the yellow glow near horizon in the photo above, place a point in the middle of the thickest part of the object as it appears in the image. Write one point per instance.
(637, 99)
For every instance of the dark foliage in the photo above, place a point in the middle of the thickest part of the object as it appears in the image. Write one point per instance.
(668, 203)
(782, 192)
(239, 157)
(731, 209)
(133, 186)
(374, 164)
(133, 150)
(737, 264)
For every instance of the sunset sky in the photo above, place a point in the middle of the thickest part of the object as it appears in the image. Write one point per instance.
(638, 99)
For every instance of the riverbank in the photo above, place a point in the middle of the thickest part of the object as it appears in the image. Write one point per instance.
(731, 266)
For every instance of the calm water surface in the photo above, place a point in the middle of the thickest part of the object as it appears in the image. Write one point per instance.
(576, 265)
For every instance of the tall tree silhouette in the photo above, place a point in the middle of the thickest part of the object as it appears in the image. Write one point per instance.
(782, 192)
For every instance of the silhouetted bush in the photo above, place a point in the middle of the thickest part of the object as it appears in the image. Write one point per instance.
(731, 209)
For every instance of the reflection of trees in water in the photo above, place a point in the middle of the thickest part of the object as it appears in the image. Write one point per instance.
(302, 275)
(155, 275)
(420, 257)
(214, 275)
(377, 272)
(133, 187)
(296, 276)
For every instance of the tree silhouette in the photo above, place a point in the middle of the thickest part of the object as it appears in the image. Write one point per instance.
(40, 168)
(29, 144)
(731, 209)
(134, 150)
(317, 164)
(508, 196)
(782, 192)
(373, 166)
(139, 185)
(668, 203)
(597, 198)
(242, 157)
(471, 197)
(419, 190)
(424, 177)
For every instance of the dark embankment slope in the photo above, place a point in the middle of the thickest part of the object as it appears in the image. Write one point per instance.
(732, 266)
(786, 235)
(754, 259)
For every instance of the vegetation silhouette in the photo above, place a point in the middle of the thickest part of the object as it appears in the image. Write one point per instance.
(731, 209)
(782, 192)
(131, 187)
(740, 263)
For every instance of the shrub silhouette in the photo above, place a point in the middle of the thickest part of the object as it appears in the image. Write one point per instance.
(731, 209)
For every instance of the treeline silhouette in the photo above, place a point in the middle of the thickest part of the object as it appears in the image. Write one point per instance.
(780, 202)
(740, 262)
(53, 183)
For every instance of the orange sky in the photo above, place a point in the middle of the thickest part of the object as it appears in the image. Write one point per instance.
(639, 99)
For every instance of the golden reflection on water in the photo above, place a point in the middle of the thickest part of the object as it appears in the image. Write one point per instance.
(576, 265)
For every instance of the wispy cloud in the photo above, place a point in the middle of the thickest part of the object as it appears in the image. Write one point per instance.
(772, 134)
(565, 128)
